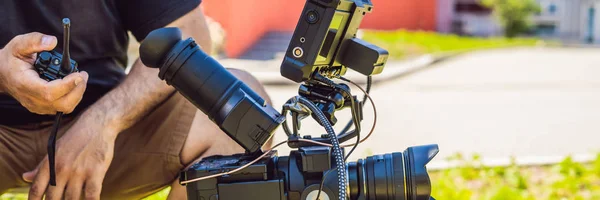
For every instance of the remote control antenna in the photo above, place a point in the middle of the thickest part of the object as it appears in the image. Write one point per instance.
(66, 59)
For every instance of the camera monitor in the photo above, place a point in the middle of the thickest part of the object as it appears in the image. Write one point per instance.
(325, 41)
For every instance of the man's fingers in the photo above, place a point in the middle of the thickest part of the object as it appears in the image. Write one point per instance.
(61, 87)
(67, 103)
(74, 188)
(40, 183)
(30, 175)
(47, 93)
(93, 186)
(32, 84)
(30, 43)
(56, 192)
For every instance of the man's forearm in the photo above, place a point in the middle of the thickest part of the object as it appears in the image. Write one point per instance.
(142, 90)
(122, 107)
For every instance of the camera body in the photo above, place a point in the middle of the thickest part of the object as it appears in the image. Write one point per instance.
(268, 179)
(290, 177)
(48, 65)
(400, 175)
(325, 41)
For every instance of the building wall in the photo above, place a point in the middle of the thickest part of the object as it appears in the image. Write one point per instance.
(470, 18)
(445, 15)
(563, 14)
(245, 21)
(572, 15)
(571, 19)
(478, 24)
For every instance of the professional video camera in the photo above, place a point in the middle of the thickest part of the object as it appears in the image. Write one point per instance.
(323, 46)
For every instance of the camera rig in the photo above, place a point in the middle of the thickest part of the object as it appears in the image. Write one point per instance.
(323, 46)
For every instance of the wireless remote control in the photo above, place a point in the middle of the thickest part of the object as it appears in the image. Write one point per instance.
(50, 65)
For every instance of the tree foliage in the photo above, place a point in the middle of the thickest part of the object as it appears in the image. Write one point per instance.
(514, 15)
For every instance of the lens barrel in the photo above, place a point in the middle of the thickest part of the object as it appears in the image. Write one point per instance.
(395, 176)
(238, 110)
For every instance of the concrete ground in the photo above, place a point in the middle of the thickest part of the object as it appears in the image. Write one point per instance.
(538, 104)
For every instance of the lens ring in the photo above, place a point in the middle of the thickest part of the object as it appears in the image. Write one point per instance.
(312, 17)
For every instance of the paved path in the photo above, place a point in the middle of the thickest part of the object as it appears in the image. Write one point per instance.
(533, 103)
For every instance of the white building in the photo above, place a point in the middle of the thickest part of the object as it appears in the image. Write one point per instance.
(575, 21)
(466, 17)
(569, 20)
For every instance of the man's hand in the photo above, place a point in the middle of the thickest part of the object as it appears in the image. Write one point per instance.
(22, 82)
(83, 156)
(85, 151)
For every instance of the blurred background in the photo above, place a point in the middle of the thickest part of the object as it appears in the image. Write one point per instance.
(509, 89)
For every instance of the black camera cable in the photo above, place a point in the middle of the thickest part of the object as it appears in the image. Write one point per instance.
(366, 96)
(52, 147)
(337, 150)
(368, 89)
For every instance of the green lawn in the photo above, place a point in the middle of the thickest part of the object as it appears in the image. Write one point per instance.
(158, 196)
(401, 43)
(163, 194)
(567, 180)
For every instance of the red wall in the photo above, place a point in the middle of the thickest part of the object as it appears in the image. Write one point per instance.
(245, 21)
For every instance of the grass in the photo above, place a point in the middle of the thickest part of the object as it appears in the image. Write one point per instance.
(562, 181)
(402, 43)
(163, 194)
(21, 196)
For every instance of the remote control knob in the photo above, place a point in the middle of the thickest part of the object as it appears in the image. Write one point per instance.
(56, 61)
(45, 58)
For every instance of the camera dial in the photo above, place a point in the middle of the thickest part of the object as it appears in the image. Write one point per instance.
(312, 16)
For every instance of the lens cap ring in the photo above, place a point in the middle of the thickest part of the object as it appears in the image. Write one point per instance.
(178, 52)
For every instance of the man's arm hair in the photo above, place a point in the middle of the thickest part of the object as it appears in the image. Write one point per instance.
(142, 90)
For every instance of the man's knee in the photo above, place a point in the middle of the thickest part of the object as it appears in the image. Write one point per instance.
(206, 138)
(252, 82)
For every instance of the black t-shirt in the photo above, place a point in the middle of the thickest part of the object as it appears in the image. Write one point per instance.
(98, 43)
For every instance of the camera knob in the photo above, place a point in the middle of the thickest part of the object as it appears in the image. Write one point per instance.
(312, 17)
(45, 58)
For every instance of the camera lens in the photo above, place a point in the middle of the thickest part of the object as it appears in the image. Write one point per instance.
(312, 17)
(401, 176)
